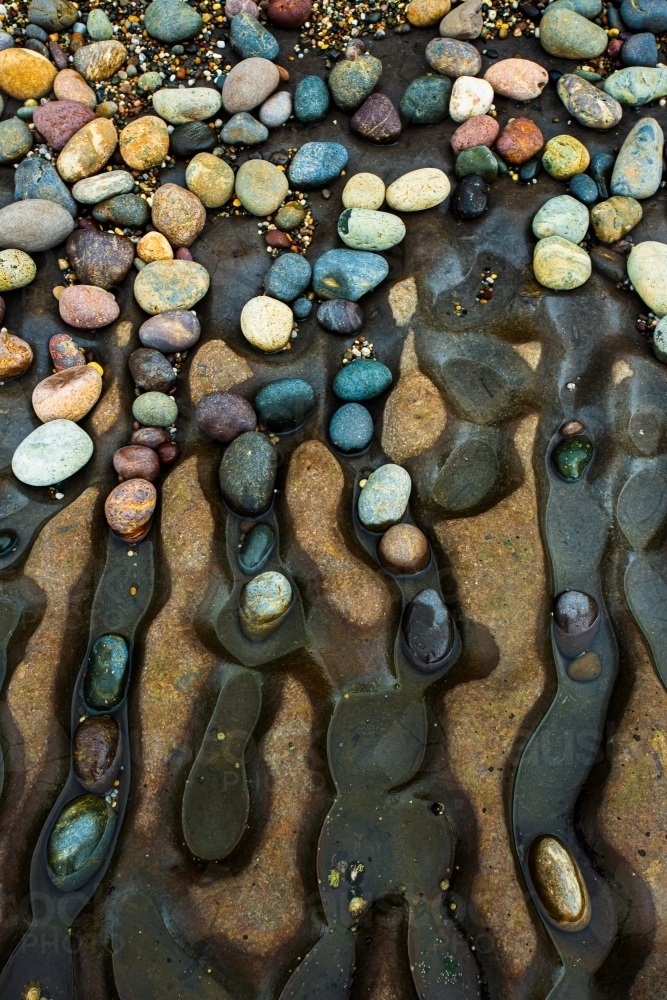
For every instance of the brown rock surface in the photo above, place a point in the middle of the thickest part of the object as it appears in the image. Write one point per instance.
(15, 356)
(414, 415)
(216, 368)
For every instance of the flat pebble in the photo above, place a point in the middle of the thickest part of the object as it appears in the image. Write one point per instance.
(465, 21)
(155, 409)
(560, 264)
(151, 371)
(384, 499)
(25, 74)
(93, 190)
(52, 15)
(426, 100)
(519, 79)
(404, 550)
(251, 39)
(167, 285)
(364, 229)
(311, 100)
(129, 509)
(88, 307)
(562, 216)
(247, 474)
(613, 219)
(364, 190)
(186, 105)
(67, 395)
(583, 187)
(377, 120)
(36, 177)
(427, 630)
(351, 81)
(340, 316)
(178, 214)
(171, 331)
(288, 277)
(276, 109)
(637, 85)
(351, 428)
(647, 270)
(564, 156)
(590, 106)
(99, 26)
(519, 141)
(144, 143)
(87, 151)
(348, 274)
(17, 269)
(97, 752)
(470, 96)
(418, 190)
(285, 404)
(211, 179)
(249, 84)
(260, 187)
(453, 58)
(264, 602)
(172, 21)
(101, 259)
(638, 168)
(225, 415)
(566, 34)
(267, 323)
(15, 356)
(244, 130)
(482, 130)
(59, 120)
(52, 453)
(317, 164)
(100, 60)
(71, 86)
(362, 379)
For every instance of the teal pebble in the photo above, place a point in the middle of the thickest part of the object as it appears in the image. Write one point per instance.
(284, 405)
(256, 548)
(362, 379)
(244, 130)
(311, 100)
(172, 21)
(79, 841)
(302, 308)
(384, 499)
(351, 428)
(348, 274)
(99, 26)
(123, 210)
(317, 164)
(572, 456)
(477, 160)
(15, 140)
(155, 409)
(584, 189)
(587, 8)
(426, 100)
(106, 673)
(288, 277)
(38, 178)
(25, 114)
(638, 168)
(351, 81)
(600, 169)
(250, 38)
(637, 85)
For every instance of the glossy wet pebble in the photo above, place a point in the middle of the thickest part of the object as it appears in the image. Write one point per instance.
(647, 270)
(151, 437)
(52, 453)
(352, 81)
(613, 219)
(363, 229)
(470, 197)
(155, 409)
(257, 545)
(129, 510)
(93, 190)
(224, 415)
(351, 428)
(584, 188)
(477, 160)
(170, 285)
(264, 602)
(171, 332)
(106, 672)
(586, 667)
(97, 752)
(151, 371)
(261, 187)
(17, 269)
(249, 84)
(384, 499)
(191, 138)
(404, 550)
(572, 456)
(311, 100)
(317, 164)
(562, 216)
(15, 356)
(426, 100)
(136, 462)
(362, 379)
(288, 277)
(348, 274)
(453, 58)
(247, 474)
(427, 629)
(638, 168)
(67, 395)
(340, 316)
(65, 352)
(101, 259)
(377, 120)
(285, 404)
(566, 34)
(418, 190)
(267, 323)
(34, 225)
(79, 842)
(557, 880)
(88, 307)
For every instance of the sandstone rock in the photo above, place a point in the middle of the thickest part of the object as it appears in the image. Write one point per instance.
(59, 120)
(519, 79)
(71, 86)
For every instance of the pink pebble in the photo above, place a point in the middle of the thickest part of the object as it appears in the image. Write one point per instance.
(88, 307)
(479, 131)
(183, 254)
(234, 7)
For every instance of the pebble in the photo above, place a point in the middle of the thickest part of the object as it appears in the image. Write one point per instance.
(361, 379)
(646, 270)
(562, 216)
(609, 263)
(289, 13)
(560, 264)
(260, 187)
(244, 130)
(590, 106)
(660, 341)
(100, 28)
(601, 167)
(377, 120)
(88, 307)
(151, 371)
(251, 39)
(154, 246)
(587, 8)
(575, 612)
(149, 82)
(311, 100)
(17, 270)
(67, 395)
(276, 109)
(267, 323)
(129, 510)
(225, 415)
(418, 190)
(482, 130)
(638, 168)
(144, 143)
(427, 629)
(264, 602)
(470, 96)
(15, 356)
(124, 210)
(640, 50)
(247, 474)
(93, 190)
(79, 841)
(519, 141)
(637, 85)
(453, 58)
(566, 34)
(519, 79)
(340, 316)
(59, 120)
(290, 216)
(256, 548)
(34, 225)
(71, 86)
(155, 409)
(193, 104)
(151, 437)
(107, 671)
(351, 428)
(557, 881)
(477, 160)
(364, 229)
(426, 100)
(564, 156)
(284, 405)
(470, 198)
(178, 214)
(364, 190)
(249, 84)
(25, 74)
(464, 22)
(172, 21)
(348, 274)
(191, 138)
(302, 308)
(649, 15)
(351, 81)
(586, 667)
(6, 41)
(100, 60)
(614, 218)
(317, 164)
(97, 752)
(168, 285)
(425, 13)
(52, 15)
(288, 277)
(52, 453)
(36, 177)
(65, 352)
(404, 549)
(172, 331)
(136, 462)
(210, 179)
(87, 151)
(384, 499)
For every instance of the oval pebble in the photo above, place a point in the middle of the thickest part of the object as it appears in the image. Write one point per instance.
(364, 190)
(470, 96)
(17, 269)
(384, 499)
(129, 509)
(155, 409)
(97, 752)
(317, 164)
(311, 100)
(87, 151)
(88, 307)
(276, 109)
(363, 229)
(169, 285)
(647, 270)
(67, 395)
(287, 277)
(210, 178)
(418, 190)
(560, 264)
(58, 121)
(144, 143)
(453, 58)
(100, 60)
(247, 474)
(248, 84)
(192, 104)
(348, 274)
(264, 603)
(52, 453)
(562, 216)
(564, 156)
(79, 841)
(285, 404)
(256, 548)
(519, 79)
(614, 218)
(362, 379)
(92, 190)
(637, 85)
(267, 323)
(172, 331)
(25, 74)
(482, 130)
(340, 316)
(260, 187)
(34, 225)
(589, 105)
(352, 81)
(566, 34)
(637, 171)
(178, 214)
(136, 462)
(15, 356)
(351, 428)
(225, 415)
(71, 86)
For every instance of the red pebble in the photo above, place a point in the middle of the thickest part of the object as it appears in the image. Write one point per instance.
(168, 453)
(183, 254)
(289, 13)
(65, 352)
(275, 238)
(614, 48)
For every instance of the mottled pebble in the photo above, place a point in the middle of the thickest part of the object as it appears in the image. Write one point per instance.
(311, 100)
(470, 96)
(244, 130)
(123, 210)
(225, 415)
(171, 331)
(151, 371)
(25, 74)
(67, 395)
(251, 39)
(478, 160)
(88, 307)
(362, 379)
(418, 190)
(562, 216)
(267, 323)
(136, 462)
(168, 285)
(560, 264)
(590, 106)
(482, 130)
(377, 120)
(364, 190)
(425, 13)
(341, 316)
(384, 499)
(144, 143)
(71, 86)
(614, 218)
(317, 164)
(564, 156)
(264, 602)
(97, 752)
(352, 81)
(17, 269)
(351, 428)
(519, 79)
(65, 352)
(453, 58)
(287, 277)
(290, 216)
(178, 214)
(52, 453)
(15, 356)
(348, 274)
(59, 120)
(637, 85)
(36, 177)
(249, 84)
(465, 21)
(638, 168)
(87, 151)
(285, 404)
(100, 60)
(519, 141)
(211, 179)
(426, 100)
(260, 187)
(155, 409)
(247, 474)
(647, 270)
(129, 509)
(583, 187)
(172, 21)
(93, 190)
(79, 841)
(276, 109)
(15, 140)
(640, 50)
(404, 549)
(154, 246)
(566, 34)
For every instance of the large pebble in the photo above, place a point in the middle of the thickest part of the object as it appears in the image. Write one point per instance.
(100, 60)
(640, 50)
(155, 409)
(562, 216)
(129, 510)
(58, 121)
(224, 415)
(384, 499)
(100, 28)
(418, 190)
(249, 84)
(478, 160)
(15, 356)
(351, 428)
(79, 841)
(251, 39)
(647, 270)
(362, 229)
(348, 274)
(637, 85)
(566, 34)
(93, 190)
(171, 332)
(564, 156)
(560, 265)
(589, 105)
(377, 120)
(210, 178)
(135, 461)
(25, 74)
(36, 177)
(101, 259)
(87, 151)
(645, 15)
(519, 79)
(260, 187)
(351, 81)
(67, 395)
(52, 15)
(144, 143)
(17, 269)
(71, 86)
(172, 21)
(285, 404)
(470, 96)
(122, 210)
(482, 130)
(15, 140)
(340, 316)
(614, 218)
(151, 371)
(34, 225)
(519, 141)
(453, 58)
(464, 22)
(426, 100)
(425, 13)
(167, 285)
(264, 603)
(364, 190)
(97, 752)
(88, 307)
(276, 109)
(317, 164)
(247, 474)
(638, 168)
(361, 380)
(311, 100)
(404, 550)
(267, 323)
(288, 277)
(191, 138)
(244, 130)
(194, 104)
(52, 453)
(178, 214)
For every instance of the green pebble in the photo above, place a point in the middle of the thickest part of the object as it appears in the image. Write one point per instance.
(106, 673)
(351, 81)
(571, 457)
(155, 409)
(477, 160)
(426, 100)
(79, 841)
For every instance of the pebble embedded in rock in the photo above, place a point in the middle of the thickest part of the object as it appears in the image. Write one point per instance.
(15, 356)
(144, 143)
(129, 509)
(25, 74)
(58, 121)
(590, 106)
(123, 210)
(575, 612)
(34, 225)
(93, 190)
(564, 156)
(65, 352)
(557, 881)
(276, 109)
(244, 130)
(267, 323)
(566, 34)
(251, 39)
(470, 96)
(427, 629)
(341, 316)
(36, 177)
(477, 160)
(637, 172)
(100, 60)
(71, 86)
(311, 100)
(178, 214)
(52, 453)
(426, 100)
(362, 379)
(150, 370)
(17, 269)
(87, 151)
(317, 164)
(377, 120)
(287, 277)
(351, 428)
(257, 546)
(364, 190)
(352, 81)
(637, 85)
(211, 179)
(172, 331)
(136, 462)
(88, 307)
(586, 667)
(67, 395)
(170, 285)
(470, 197)
(247, 474)
(249, 84)
(519, 79)
(101, 259)
(482, 130)
(572, 456)
(224, 415)
(614, 218)
(97, 752)
(363, 229)
(404, 550)
(172, 21)
(154, 246)
(562, 216)
(260, 187)
(519, 141)
(79, 842)
(155, 409)
(647, 270)
(348, 274)
(285, 404)
(264, 603)
(560, 264)
(194, 104)
(453, 58)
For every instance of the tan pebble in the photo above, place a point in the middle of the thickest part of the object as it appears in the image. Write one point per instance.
(267, 323)
(519, 79)
(178, 214)
(586, 667)
(15, 356)
(58, 291)
(404, 549)
(364, 190)
(100, 60)
(67, 395)
(210, 178)
(71, 86)
(154, 246)
(88, 307)
(144, 143)
(87, 151)
(425, 13)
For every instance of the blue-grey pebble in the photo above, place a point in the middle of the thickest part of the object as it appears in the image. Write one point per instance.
(587, 8)
(6, 42)
(35, 45)
(584, 189)
(283, 405)
(250, 38)
(384, 499)
(99, 26)
(256, 548)
(288, 277)
(123, 210)
(172, 21)
(247, 474)
(38, 178)
(317, 164)
(244, 130)
(155, 409)
(34, 31)
(640, 50)
(302, 308)
(348, 274)
(637, 85)
(426, 100)
(311, 100)
(52, 15)
(638, 168)
(351, 428)
(362, 379)
(15, 140)
(351, 81)
(600, 169)
(645, 15)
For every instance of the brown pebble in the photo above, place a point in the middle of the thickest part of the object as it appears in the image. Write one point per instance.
(129, 509)
(224, 415)
(97, 752)
(178, 214)
(482, 130)
(586, 667)
(136, 462)
(246, 525)
(67, 395)
(151, 437)
(170, 332)
(572, 427)
(519, 141)
(71, 86)
(58, 54)
(377, 120)
(168, 453)
(144, 143)
(88, 307)
(283, 74)
(15, 356)
(277, 239)
(59, 120)
(154, 246)
(65, 352)
(100, 259)
(404, 549)
(289, 13)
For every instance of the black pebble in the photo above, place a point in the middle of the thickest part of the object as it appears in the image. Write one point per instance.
(470, 198)
(192, 138)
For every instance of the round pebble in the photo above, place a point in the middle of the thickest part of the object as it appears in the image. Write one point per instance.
(168, 285)
(426, 100)
(52, 453)
(647, 265)
(88, 307)
(155, 409)
(211, 179)
(287, 277)
(260, 187)
(154, 246)
(67, 395)
(564, 156)
(17, 269)
(186, 105)
(290, 216)
(364, 229)
(129, 509)
(264, 602)
(178, 214)
(418, 190)
(562, 216)
(172, 21)
(171, 332)
(364, 190)
(87, 151)
(267, 323)
(362, 379)
(384, 499)
(136, 462)
(425, 13)
(519, 79)
(25, 74)
(247, 474)
(519, 141)
(144, 143)
(289, 13)
(453, 58)
(351, 428)
(470, 96)
(34, 225)
(284, 405)
(352, 81)
(583, 187)
(225, 415)
(317, 164)
(15, 356)
(404, 550)
(482, 130)
(560, 264)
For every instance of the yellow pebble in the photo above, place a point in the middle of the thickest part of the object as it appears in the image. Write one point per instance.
(98, 368)
(58, 290)
(133, 591)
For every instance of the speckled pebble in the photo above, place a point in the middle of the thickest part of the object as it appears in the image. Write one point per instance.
(562, 216)
(155, 409)
(560, 265)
